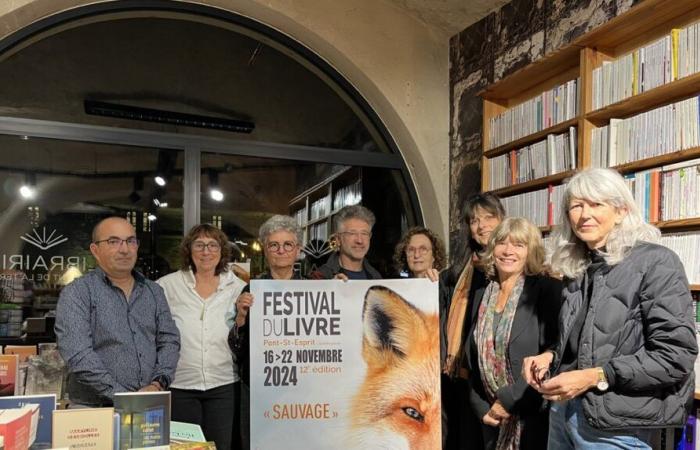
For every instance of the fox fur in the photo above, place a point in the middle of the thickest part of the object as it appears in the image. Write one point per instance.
(398, 404)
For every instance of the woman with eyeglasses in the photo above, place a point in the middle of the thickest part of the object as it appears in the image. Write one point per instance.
(420, 253)
(202, 299)
(280, 237)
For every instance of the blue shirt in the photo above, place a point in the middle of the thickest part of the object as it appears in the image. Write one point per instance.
(110, 344)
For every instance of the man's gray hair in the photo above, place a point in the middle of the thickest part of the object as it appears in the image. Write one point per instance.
(280, 223)
(354, 212)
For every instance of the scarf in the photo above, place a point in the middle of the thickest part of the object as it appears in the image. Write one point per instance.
(455, 319)
(494, 364)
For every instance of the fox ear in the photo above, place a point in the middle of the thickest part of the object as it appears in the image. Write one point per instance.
(390, 323)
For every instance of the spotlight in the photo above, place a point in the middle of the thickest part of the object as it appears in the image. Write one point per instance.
(214, 191)
(152, 217)
(166, 164)
(28, 189)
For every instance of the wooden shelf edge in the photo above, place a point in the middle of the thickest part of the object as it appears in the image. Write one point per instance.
(533, 184)
(532, 138)
(695, 287)
(659, 96)
(678, 223)
(656, 161)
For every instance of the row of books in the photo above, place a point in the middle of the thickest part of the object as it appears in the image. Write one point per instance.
(348, 195)
(642, 70)
(550, 156)
(137, 420)
(667, 59)
(320, 207)
(300, 216)
(318, 231)
(667, 193)
(687, 247)
(539, 207)
(652, 133)
(551, 107)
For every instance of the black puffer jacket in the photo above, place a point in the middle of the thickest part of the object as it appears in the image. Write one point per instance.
(639, 326)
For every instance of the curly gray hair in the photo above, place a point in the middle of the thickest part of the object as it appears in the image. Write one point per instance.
(280, 223)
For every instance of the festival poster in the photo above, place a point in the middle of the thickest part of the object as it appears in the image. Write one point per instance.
(345, 364)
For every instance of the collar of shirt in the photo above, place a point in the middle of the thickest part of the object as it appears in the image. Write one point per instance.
(138, 277)
(226, 279)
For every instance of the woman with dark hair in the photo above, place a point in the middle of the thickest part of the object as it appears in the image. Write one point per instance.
(483, 213)
(420, 253)
(622, 366)
(513, 316)
(202, 299)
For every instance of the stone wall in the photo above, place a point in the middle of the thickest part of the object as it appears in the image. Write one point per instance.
(509, 38)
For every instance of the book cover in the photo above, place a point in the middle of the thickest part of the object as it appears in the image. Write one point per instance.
(185, 432)
(23, 351)
(83, 428)
(16, 427)
(46, 405)
(144, 418)
(9, 375)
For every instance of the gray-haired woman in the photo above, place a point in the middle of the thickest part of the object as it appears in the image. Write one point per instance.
(623, 363)
(280, 237)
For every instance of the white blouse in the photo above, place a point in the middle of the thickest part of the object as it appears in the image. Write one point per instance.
(205, 358)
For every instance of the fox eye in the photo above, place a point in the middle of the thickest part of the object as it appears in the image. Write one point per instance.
(413, 413)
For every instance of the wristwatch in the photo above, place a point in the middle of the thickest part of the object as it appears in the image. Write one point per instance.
(163, 381)
(602, 384)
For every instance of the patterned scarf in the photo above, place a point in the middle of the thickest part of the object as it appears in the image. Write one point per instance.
(455, 319)
(494, 364)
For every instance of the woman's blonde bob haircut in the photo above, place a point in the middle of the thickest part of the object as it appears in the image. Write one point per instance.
(521, 231)
(569, 253)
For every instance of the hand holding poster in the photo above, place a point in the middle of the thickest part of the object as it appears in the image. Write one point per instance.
(345, 364)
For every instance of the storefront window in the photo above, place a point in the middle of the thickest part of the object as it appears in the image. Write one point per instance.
(53, 192)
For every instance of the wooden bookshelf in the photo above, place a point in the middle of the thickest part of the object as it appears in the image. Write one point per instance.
(695, 287)
(644, 23)
(533, 185)
(659, 96)
(656, 161)
(531, 139)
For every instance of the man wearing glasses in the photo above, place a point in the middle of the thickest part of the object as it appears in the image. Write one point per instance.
(113, 326)
(353, 225)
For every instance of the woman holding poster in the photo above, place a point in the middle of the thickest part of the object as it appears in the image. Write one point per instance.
(515, 316)
(202, 299)
(280, 237)
(420, 253)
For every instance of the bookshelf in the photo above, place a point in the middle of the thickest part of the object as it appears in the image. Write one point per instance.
(644, 34)
(340, 189)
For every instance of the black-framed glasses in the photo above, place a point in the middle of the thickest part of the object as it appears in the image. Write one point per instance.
(199, 246)
(115, 242)
(287, 246)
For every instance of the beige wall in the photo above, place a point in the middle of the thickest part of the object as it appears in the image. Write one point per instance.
(396, 62)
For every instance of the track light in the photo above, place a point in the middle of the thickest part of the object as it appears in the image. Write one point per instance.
(28, 189)
(214, 191)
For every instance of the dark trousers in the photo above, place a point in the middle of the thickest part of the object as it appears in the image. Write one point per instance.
(213, 410)
(244, 412)
(462, 427)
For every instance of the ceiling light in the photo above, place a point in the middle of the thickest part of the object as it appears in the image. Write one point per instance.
(152, 217)
(214, 191)
(28, 189)
(160, 180)
(166, 165)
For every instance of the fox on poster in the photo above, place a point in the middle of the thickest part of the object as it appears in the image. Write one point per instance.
(345, 364)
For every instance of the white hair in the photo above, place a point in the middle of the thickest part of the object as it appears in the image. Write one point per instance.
(280, 223)
(569, 253)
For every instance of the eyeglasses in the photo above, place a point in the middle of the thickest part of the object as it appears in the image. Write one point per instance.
(287, 246)
(115, 242)
(356, 234)
(199, 246)
(418, 250)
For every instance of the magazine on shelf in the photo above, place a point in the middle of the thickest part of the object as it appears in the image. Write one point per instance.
(144, 418)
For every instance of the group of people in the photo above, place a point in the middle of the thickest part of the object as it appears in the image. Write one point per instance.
(593, 349)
